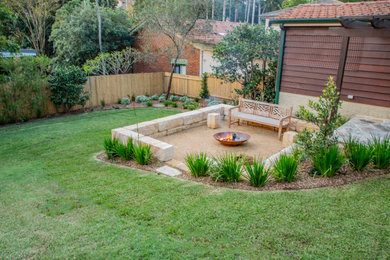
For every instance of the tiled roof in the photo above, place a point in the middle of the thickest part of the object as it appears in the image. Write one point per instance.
(211, 32)
(313, 11)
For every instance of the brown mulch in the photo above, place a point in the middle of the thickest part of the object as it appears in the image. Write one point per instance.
(303, 181)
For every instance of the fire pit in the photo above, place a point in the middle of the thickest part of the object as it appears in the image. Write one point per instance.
(231, 138)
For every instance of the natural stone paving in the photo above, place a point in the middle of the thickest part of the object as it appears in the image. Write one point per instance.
(169, 171)
(363, 128)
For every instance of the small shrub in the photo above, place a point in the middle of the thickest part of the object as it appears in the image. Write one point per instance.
(227, 168)
(174, 98)
(142, 99)
(149, 103)
(204, 91)
(154, 97)
(185, 106)
(183, 98)
(174, 104)
(119, 101)
(162, 98)
(167, 103)
(196, 99)
(126, 101)
(193, 106)
(285, 168)
(198, 164)
(102, 103)
(328, 161)
(111, 147)
(358, 154)
(142, 154)
(257, 173)
(125, 152)
(67, 87)
(224, 102)
(381, 152)
(133, 98)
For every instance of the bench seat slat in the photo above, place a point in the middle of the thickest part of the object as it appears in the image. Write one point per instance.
(258, 119)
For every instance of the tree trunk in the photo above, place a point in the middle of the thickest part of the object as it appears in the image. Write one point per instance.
(99, 25)
(212, 10)
(246, 10)
(170, 79)
(259, 14)
(235, 15)
(253, 12)
(249, 11)
(224, 11)
(230, 10)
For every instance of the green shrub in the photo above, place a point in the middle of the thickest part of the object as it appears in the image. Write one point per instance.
(162, 98)
(142, 154)
(183, 99)
(185, 106)
(167, 103)
(204, 91)
(285, 168)
(227, 168)
(119, 101)
(102, 103)
(125, 152)
(125, 101)
(154, 97)
(67, 87)
(198, 164)
(142, 99)
(174, 104)
(111, 147)
(358, 154)
(196, 99)
(149, 103)
(381, 152)
(328, 161)
(257, 173)
(174, 98)
(23, 88)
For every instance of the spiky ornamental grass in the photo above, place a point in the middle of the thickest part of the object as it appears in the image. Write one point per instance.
(257, 174)
(358, 154)
(126, 151)
(227, 168)
(285, 168)
(328, 161)
(198, 164)
(111, 147)
(381, 152)
(142, 154)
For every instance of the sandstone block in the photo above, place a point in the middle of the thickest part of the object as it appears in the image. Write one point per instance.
(289, 138)
(301, 124)
(192, 117)
(123, 135)
(213, 120)
(169, 122)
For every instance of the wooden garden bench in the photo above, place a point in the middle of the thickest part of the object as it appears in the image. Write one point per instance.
(263, 113)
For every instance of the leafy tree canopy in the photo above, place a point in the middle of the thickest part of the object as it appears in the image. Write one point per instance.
(242, 51)
(7, 26)
(75, 32)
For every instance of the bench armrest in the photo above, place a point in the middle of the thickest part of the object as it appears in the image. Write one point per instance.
(284, 118)
(235, 107)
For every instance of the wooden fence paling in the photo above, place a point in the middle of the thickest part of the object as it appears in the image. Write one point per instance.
(113, 87)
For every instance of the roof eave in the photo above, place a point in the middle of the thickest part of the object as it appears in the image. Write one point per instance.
(306, 20)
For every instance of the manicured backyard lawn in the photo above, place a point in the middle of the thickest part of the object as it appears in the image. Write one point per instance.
(56, 201)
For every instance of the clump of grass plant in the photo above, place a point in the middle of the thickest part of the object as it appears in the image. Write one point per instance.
(198, 164)
(142, 154)
(257, 174)
(227, 168)
(125, 151)
(111, 147)
(380, 152)
(358, 154)
(328, 161)
(285, 168)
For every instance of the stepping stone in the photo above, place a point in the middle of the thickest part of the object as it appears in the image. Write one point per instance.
(159, 105)
(178, 165)
(166, 170)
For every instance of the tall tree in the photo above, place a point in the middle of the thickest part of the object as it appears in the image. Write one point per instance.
(7, 26)
(35, 15)
(224, 11)
(213, 10)
(99, 25)
(175, 19)
(253, 12)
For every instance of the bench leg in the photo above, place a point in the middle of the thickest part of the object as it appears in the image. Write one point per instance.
(280, 133)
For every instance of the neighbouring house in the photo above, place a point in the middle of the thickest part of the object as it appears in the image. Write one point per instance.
(21, 53)
(348, 41)
(197, 55)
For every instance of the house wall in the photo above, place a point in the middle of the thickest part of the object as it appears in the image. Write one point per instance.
(312, 55)
(156, 43)
(206, 62)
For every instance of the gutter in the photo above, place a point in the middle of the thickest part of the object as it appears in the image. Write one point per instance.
(312, 20)
(280, 62)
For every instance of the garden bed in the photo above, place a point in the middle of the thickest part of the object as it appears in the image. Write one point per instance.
(303, 181)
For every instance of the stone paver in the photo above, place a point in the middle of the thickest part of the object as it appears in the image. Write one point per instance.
(169, 171)
(363, 128)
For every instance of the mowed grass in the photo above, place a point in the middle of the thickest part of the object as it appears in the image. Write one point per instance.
(56, 201)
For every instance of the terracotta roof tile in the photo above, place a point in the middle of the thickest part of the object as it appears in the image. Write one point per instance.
(337, 10)
(211, 32)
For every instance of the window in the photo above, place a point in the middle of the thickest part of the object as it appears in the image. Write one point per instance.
(180, 69)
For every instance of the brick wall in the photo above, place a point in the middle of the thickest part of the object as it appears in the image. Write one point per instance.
(157, 43)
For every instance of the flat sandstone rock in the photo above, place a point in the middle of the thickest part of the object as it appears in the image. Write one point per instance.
(166, 170)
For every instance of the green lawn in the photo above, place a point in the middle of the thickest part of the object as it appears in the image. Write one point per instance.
(56, 201)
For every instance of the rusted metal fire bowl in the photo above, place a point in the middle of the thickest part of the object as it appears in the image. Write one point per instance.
(231, 138)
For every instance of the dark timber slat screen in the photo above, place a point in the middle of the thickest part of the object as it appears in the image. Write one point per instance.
(312, 55)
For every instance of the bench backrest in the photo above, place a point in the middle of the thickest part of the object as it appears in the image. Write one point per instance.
(264, 109)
